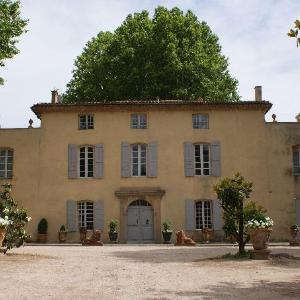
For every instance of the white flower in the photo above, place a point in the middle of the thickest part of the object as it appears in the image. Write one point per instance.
(28, 219)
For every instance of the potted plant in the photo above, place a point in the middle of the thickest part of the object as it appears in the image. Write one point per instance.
(3, 224)
(62, 234)
(167, 232)
(42, 231)
(113, 230)
(259, 230)
(294, 229)
(207, 234)
(82, 231)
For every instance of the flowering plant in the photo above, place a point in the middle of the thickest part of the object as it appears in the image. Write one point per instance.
(262, 222)
(4, 222)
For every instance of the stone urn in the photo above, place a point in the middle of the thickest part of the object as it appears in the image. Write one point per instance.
(259, 238)
(167, 235)
(207, 235)
(2, 235)
(62, 236)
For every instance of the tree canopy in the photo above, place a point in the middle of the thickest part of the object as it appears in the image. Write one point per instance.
(171, 56)
(294, 33)
(11, 27)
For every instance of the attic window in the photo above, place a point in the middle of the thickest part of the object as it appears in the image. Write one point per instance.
(86, 122)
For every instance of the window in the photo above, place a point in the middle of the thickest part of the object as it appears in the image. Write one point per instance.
(202, 160)
(203, 214)
(6, 163)
(86, 122)
(138, 160)
(86, 161)
(85, 214)
(139, 121)
(200, 121)
(296, 160)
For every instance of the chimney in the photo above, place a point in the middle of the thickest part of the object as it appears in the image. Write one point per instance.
(258, 93)
(298, 118)
(54, 97)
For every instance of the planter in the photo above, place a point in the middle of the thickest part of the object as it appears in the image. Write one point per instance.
(113, 236)
(82, 234)
(2, 235)
(167, 236)
(62, 236)
(207, 234)
(259, 238)
(42, 237)
(294, 233)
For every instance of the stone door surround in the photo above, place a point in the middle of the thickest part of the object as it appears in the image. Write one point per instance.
(153, 195)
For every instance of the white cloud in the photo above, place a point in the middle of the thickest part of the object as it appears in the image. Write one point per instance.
(252, 34)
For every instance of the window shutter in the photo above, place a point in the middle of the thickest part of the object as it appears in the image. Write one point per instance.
(99, 161)
(215, 159)
(217, 215)
(125, 160)
(72, 161)
(99, 215)
(190, 219)
(152, 159)
(72, 215)
(189, 158)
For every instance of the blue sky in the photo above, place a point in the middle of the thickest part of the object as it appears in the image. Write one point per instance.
(252, 34)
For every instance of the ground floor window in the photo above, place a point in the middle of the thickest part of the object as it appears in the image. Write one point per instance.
(203, 211)
(86, 214)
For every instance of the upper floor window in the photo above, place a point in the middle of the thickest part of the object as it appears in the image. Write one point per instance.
(202, 159)
(296, 160)
(86, 122)
(139, 160)
(139, 121)
(203, 211)
(6, 163)
(86, 161)
(200, 121)
(85, 214)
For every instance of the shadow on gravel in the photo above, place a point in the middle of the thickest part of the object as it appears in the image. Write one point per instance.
(172, 254)
(18, 257)
(261, 290)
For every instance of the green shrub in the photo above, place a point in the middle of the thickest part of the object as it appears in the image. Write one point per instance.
(113, 225)
(166, 225)
(62, 228)
(43, 226)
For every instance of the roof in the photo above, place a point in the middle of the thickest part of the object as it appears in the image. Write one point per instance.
(125, 105)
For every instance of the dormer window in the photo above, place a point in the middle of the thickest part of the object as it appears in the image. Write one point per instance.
(86, 122)
(200, 121)
(139, 121)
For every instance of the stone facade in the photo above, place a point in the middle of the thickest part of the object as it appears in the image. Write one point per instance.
(261, 151)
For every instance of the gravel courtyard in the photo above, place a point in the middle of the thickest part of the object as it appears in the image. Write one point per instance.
(145, 272)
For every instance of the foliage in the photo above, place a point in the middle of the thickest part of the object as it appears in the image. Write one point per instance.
(294, 33)
(4, 222)
(171, 56)
(294, 227)
(11, 26)
(232, 192)
(62, 228)
(113, 225)
(167, 225)
(18, 218)
(43, 226)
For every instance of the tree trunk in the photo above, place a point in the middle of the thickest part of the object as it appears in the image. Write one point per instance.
(241, 229)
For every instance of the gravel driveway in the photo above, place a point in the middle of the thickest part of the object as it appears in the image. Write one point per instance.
(145, 272)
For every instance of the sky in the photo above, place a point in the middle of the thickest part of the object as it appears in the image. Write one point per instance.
(252, 34)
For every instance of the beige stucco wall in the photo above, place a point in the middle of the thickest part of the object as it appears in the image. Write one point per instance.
(246, 141)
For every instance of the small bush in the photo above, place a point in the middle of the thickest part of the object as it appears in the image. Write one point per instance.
(43, 226)
(62, 228)
(166, 225)
(113, 225)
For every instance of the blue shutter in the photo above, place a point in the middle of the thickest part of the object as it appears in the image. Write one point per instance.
(215, 151)
(189, 157)
(152, 159)
(217, 215)
(99, 161)
(72, 161)
(125, 160)
(190, 217)
(99, 215)
(72, 215)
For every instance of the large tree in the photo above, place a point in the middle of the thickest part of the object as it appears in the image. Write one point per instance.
(11, 27)
(170, 56)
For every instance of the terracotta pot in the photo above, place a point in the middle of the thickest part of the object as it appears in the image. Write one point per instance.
(259, 238)
(294, 233)
(2, 235)
(62, 236)
(207, 234)
(42, 237)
